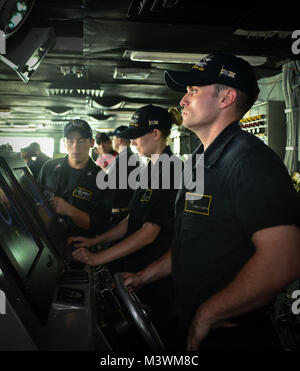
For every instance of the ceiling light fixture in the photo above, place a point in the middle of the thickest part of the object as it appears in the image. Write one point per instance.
(188, 58)
(120, 113)
(13, 14)
(131, 73)
(73, 70)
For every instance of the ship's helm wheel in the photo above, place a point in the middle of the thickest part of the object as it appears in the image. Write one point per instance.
(139, 313)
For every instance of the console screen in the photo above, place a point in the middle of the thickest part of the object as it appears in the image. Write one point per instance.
(15, 238)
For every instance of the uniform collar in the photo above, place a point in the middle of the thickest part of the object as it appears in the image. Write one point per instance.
(87, 169)
(167, 151)
(215, 149)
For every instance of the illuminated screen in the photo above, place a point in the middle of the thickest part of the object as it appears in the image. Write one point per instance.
(15, 238)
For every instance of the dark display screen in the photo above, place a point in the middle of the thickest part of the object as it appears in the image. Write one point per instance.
(44, 222)
(25, 248)
(15, 238)
(49, 224)
(32, 192)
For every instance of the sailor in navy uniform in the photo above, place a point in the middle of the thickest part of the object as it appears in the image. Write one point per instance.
(72, 180)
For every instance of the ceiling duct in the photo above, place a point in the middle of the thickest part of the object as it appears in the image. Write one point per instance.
(19, 128)
(119, 112)
(110, 102)
(100, 117)
(105, 103)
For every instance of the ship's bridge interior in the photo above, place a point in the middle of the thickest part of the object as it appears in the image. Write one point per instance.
(100, 61)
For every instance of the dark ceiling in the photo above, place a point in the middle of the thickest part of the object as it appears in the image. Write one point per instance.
(91, 38)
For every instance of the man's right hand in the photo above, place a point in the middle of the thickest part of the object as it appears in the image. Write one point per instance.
(79, 241)
(133, 281)
(158, 269)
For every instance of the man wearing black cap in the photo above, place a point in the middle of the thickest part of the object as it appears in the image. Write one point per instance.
(37, 160)
(236, 245)
(86, 209)
(106, 153)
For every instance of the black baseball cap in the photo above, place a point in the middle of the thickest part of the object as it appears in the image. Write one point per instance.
(78, 125)
(118, 131)
(101, 138)
(146, 119)
(225, 69)
(34, 147)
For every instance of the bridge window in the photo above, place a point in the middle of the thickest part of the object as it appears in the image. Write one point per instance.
(47, 144)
